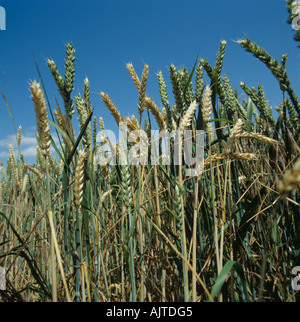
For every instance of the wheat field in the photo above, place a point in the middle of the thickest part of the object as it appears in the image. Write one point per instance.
(75, 229)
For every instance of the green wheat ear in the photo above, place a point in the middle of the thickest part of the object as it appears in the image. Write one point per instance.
(19, 136)
(82, 117)
(163, 90)
(165, 99)
(70, 67)
(126, 185)
(232, 103)
(94, 131)
(65, 85)
(278, 70)
(259, 99)
(199, 84)
(220, 59)
(176, 88)
(59, 80)
(216, 85)
(218, 71)
(86, 95)
(186, 86)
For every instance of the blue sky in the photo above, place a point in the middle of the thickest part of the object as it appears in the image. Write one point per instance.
(108, 34)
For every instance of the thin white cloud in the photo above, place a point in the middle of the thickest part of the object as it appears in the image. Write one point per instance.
(26, 140)
(28, 146)
(4, 154)
(29, 152)
(10, 139)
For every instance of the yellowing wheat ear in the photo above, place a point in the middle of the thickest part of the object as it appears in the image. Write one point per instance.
(79, 179)
(236, 131)
(142, 91)
(187, 117)
(290, 179)
(112, 108)
(258, 137)
(134, 76)
(150, 104)
(34, 170)
(41, 118)
(206, 104)
(19, 136)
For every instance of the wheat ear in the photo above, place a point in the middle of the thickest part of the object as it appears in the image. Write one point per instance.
(34, 170)
(126, 186)
(187, 117)
(12, 163)
(230, 156)
(290, 179)
(236, 131)
(41, 118)
(134, 76)
(112, 108)
(19, 136)
(206, 104)
(150, 104)
(79, 179)
(257, 136)
(142, 91)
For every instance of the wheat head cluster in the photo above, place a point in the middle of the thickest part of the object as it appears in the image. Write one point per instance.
(74, 229)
